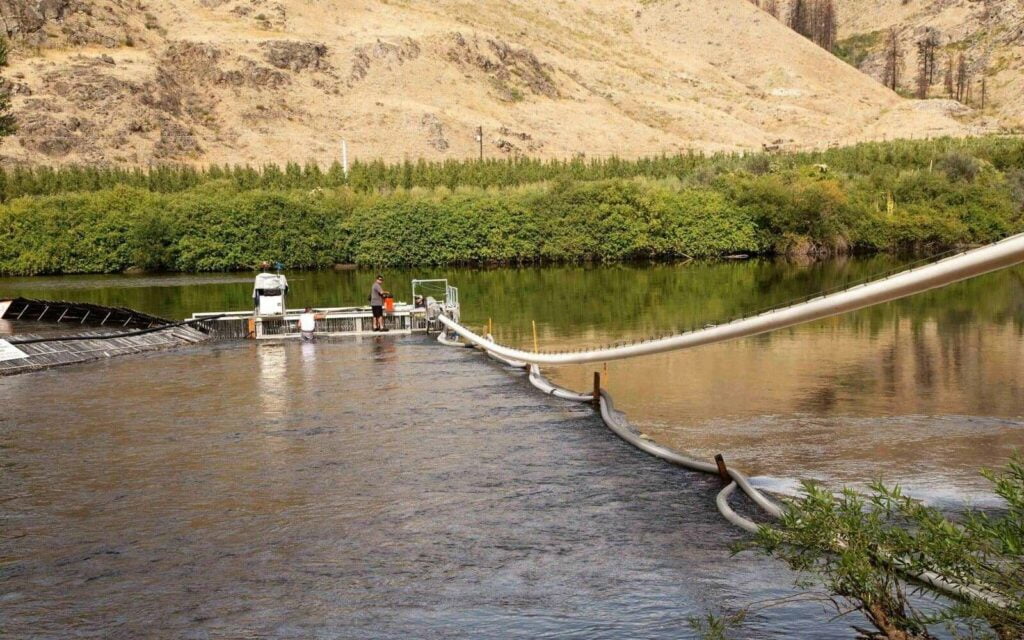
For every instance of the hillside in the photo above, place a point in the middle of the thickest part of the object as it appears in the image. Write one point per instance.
(130, 82)
(990, 34)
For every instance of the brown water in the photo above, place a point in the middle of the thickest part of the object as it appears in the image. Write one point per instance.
(391, 487)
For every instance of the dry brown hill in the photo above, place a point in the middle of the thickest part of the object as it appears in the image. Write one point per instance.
(133, 82)
(990, 34)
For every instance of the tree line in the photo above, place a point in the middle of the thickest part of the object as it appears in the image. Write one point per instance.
(377, 176)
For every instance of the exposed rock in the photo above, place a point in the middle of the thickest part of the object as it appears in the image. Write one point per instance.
(55, 23)
(531, 144)
(505, 146)
(384, 53)
(511, 70)
(87, 87)
(49, 135)
(189, 63)
(14, 88)
(253, 75)
(297, 56)
(435, 131)
(25, 19)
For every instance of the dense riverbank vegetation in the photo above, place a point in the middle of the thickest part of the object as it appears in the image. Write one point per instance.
(902, 195)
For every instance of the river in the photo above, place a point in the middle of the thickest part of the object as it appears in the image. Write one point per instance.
(389, 487)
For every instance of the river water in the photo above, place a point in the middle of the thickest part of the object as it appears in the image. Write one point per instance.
(389, 487)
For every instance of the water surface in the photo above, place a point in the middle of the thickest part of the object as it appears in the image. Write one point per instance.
(390, 487)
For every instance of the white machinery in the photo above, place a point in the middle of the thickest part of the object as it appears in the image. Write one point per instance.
(437, 298)
(268, 294)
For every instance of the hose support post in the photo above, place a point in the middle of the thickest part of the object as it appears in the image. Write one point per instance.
(597, 388)
(723, 471)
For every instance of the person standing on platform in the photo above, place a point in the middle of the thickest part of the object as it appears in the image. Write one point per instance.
(377, 294)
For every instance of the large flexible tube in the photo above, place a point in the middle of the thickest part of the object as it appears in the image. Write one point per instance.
(615, 421)
(1005, 253)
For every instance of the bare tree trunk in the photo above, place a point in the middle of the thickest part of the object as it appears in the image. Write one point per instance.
(893, 59)
(949, 76)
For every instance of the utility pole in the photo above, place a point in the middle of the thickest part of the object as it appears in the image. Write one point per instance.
(480, 139)
(344, 158)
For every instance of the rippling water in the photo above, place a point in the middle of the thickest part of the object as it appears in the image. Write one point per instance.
(390, 487)
(379, 488)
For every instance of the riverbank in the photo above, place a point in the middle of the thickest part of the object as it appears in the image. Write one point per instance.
(878, 197)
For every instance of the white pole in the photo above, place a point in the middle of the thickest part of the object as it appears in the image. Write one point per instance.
(344, 157)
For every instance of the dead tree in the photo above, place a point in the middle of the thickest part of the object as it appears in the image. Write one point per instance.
(926, 65)
(814, 20)
(950, 65)
(893, 71)
(825, 29)
(963, 80)
(799, 17)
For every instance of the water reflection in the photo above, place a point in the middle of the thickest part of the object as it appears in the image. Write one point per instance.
(274, 388)
(900, 372)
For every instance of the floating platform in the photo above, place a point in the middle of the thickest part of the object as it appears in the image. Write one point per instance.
(270, 319)
(336, 321)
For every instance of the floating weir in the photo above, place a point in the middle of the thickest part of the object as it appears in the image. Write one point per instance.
(117, 331)
(114, 331)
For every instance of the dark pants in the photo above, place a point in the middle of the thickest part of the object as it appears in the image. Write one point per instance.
(378, 312)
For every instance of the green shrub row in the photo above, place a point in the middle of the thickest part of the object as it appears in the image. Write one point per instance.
(875, 158)
(218, 225)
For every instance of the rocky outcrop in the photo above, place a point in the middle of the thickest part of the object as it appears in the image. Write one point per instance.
(60, 23)
(435, 131)
(189, 63)
(23, 19)
(513, 71)
(521, 138)
(51, 135)
(381, 53)
(296, 56)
